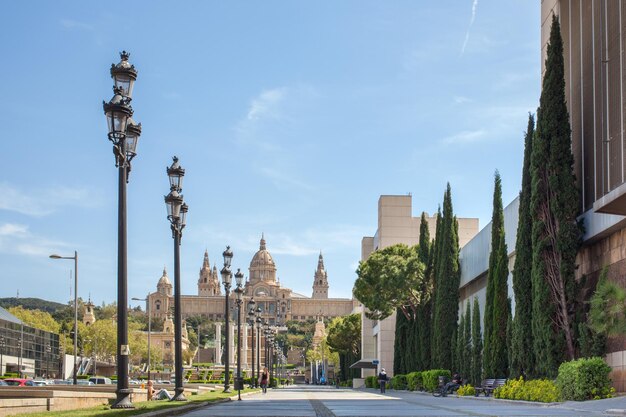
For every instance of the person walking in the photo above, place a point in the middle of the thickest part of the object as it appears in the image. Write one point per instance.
(263, 380)
(382, 380)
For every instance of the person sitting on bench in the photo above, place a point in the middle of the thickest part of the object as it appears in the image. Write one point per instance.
(452, 385)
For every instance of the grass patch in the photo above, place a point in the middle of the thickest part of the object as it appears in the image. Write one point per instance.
(141, 407)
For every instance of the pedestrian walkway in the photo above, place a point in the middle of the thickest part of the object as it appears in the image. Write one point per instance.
(322, 401)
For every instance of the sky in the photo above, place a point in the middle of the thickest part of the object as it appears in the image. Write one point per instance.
(290, 118)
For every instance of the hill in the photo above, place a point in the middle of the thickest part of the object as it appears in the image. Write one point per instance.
(32, 304)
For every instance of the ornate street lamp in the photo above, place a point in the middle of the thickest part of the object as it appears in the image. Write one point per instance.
(259, 324)
(226, 279)
(124, 134)
(177, 215)
(2, 344)
(251, 321)
(48, 350)
(239, 300)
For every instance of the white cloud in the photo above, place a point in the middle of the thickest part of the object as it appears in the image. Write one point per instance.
(281, 179)
(266, 104)
(467, 34)
(462, 100)
(39, 203)
(466, 136)
(73, 24)
(17, 239)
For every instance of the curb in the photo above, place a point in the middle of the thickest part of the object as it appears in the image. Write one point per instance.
(616, 411)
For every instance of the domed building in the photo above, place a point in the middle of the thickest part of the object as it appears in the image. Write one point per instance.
(278, 304)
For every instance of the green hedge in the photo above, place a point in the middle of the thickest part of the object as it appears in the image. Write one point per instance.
(431, 378)
(370, 382)
(399, 382)
(585, 379)
(541, 390)
(415, 381)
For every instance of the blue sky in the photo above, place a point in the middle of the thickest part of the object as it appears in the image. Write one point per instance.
(290, 118)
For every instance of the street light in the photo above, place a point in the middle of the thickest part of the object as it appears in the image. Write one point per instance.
(239, 300)
(48, 350)
(75, 258)
(19, 362)
(259, 323)
(2, 344)
(147, 300)
(251, 320)
(124, 134)
(226, 279)
(177, 215)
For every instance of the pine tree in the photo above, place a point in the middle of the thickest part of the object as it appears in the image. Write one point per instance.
(477, 346)
(554, 206)
(496, 310)
(447, 286)
(522, 359)
(466, 365)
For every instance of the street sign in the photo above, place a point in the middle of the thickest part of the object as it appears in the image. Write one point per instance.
(375, 362)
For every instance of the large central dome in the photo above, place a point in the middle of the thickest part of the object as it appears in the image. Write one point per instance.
(262, 266)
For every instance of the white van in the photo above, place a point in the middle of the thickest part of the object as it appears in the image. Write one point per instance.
(100, 380)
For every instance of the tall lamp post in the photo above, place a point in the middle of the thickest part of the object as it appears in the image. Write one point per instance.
(177, 214)
(259, 323)
(19, 362)
(48, 350)
(75, 258)
(239, 299)
(226, 279)
(147, 300)
(124, 134)
(251, 320)
(2, 344)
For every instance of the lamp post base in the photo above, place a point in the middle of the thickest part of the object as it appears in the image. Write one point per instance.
(123, 399)
(179, 395)
(226, 388)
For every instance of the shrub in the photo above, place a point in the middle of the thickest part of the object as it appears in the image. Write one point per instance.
(431, 378)
(399, 382)
(467, 389)
(541, 390)
(414, 381)
(370, 381)
(585, 379)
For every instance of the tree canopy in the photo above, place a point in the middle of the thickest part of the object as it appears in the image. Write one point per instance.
(389, 279)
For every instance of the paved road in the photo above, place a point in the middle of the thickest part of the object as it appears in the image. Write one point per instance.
(317, 401)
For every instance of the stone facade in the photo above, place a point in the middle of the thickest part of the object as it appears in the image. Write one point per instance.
(277, 303)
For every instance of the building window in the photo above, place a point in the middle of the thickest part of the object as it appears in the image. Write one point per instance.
(157, 305)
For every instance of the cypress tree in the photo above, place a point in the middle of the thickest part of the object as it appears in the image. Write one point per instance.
(423, 317)
(434, 262)
(477, 346)
(466, 365)
(522, 359)
(453, 366)
(496, 309)
(447, 286)
(554, 206)
(460, 345)
(400, 342)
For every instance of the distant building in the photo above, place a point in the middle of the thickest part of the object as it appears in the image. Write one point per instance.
(25, 350)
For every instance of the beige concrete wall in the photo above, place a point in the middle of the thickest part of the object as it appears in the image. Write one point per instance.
(396, 224)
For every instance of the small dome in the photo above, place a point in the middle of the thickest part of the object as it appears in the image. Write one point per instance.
(262, 258)
(164, 280)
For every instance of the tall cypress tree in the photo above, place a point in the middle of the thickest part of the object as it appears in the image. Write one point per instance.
(435, 255)
(522, 358)
(554, 205)
(477, 346)
(400, 343)
(466, 364)
(422, 322)
(496, 310)
(447, 286)
(460, 344)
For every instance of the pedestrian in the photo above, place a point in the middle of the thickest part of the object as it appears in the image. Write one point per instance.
(382, 380)
(452, 385)
(263, 378)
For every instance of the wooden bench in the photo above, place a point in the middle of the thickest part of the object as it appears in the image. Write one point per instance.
(489, 385)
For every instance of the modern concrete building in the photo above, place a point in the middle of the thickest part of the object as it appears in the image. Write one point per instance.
(396, 224)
